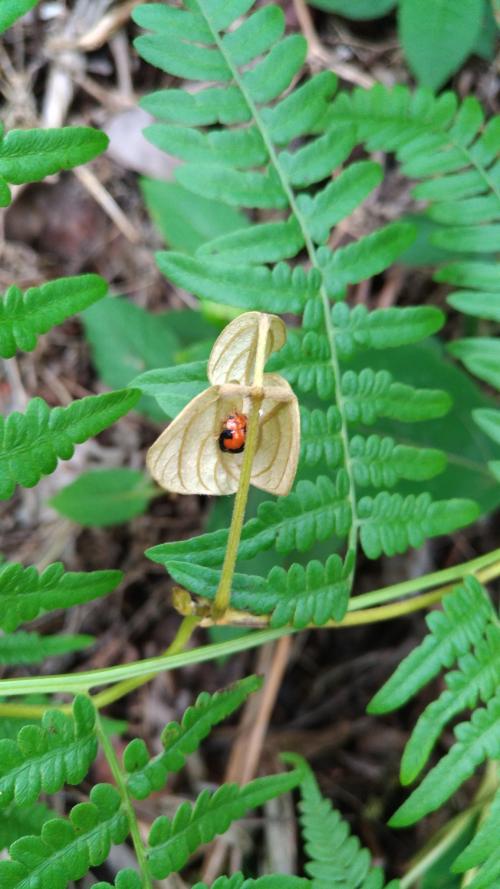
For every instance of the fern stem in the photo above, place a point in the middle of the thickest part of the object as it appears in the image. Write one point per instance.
(181, 639)
(311, 252)
(223, 594)
(112, 759)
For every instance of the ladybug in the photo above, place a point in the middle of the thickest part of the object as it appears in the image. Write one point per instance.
(233, 435)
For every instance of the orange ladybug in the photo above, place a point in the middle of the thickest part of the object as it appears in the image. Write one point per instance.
(233, 435)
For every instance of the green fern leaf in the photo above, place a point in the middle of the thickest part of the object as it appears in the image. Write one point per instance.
(315, 593)
(24, 593)
(477, 678)
(32, 443)
(12, 10)
(383, 328)
(460, 624)
(482, 851)
(481, 355)
(256, 287)
(67, 848)
(480, 304)
(32, 648)
(380, 462)
(30, 155)
(23, 317)
(16, 822)
(60, 750)
(180, 739)
(335, 857)
(311, 513)
(390, 523)
(125, 879)
(476, 740)
(339, 198)
(273, 881)
(267, 242)
(489, 421)
(362, 259)
(172, 842)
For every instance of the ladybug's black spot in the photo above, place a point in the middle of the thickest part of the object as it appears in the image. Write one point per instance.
(225, 436)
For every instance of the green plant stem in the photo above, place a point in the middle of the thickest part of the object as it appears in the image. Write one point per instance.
(223, 594)
(109, 752)
(183, 635)
(144, 670)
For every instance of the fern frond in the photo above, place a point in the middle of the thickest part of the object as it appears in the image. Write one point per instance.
(125, 879)
(260, 165)
(31, 155)
(452, 631)
(335, 857)
(32, 648)
(465, 632)
(17, 821)
(32, 443)
(172, 842)
(482, 851)
(60, 750)
(181, 739)
(67, 847)
(477, 740)
(24, 316)
(24, 593)
(273, 881)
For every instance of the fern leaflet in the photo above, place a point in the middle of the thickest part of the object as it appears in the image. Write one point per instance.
(60, 750)
(172, 842)
(180, 739)
(23, 317)
(32, 648)
(25, 593)
(482, 851)
(32, 443)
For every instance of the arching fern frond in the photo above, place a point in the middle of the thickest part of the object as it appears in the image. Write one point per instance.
(334, 857)
(60, 750)
(146, 774)
(33, 442)
(67, 847)
(482, 851)
(465, 633)
(288, 155)
(172, 842)
(24, 316)
(25, 593)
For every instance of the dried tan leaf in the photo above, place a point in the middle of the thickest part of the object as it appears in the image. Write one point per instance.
(275, 462)
(232, 359)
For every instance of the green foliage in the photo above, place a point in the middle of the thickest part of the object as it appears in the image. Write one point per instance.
(31, 155)
(32, 648)
(17, 821)
(465, 633)
(67, 847)
(173, 841)
(482, 851)
(141, 341)
(23, 317)
(356, 9)
(60, 750)
(438, 35)
(273, 881)
(125, 879)
(261, 166)
(32, 443)
(334, 857)
(12, 10)
(101, 497)
(180, 739)
(187, 220)
(25, 593)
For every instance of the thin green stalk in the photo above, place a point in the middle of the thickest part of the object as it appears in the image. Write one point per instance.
(109, 752)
